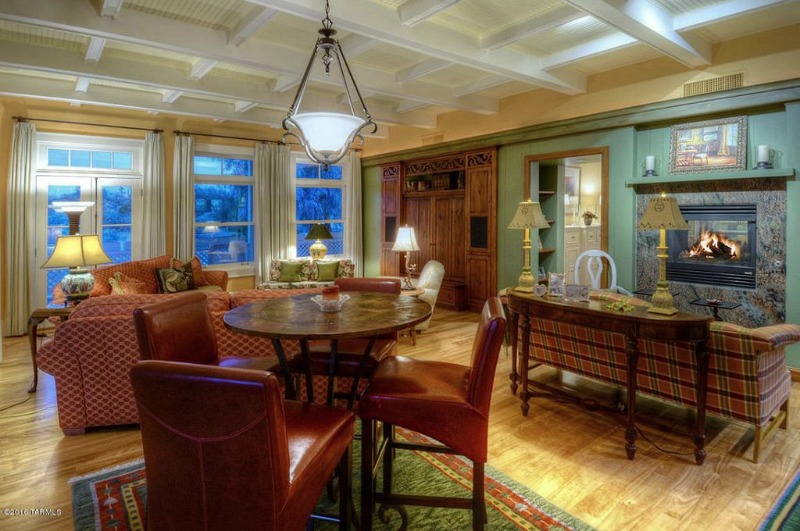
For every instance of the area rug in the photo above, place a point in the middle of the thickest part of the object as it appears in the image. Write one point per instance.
(785, 515)
(117, 498)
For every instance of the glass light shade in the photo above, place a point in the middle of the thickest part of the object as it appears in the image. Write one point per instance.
(406, 240)
(77, 251)
(327, 133)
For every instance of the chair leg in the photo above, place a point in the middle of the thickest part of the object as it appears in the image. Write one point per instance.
(345, 489)
(367, 478)
(478, 497)
(388, 457)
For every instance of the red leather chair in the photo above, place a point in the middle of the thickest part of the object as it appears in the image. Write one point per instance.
(222, 449)
(179, 328)
(349, 352)
(445, 401)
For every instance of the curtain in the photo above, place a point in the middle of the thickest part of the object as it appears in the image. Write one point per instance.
(19, 224)
(153, 233)
(183, 199)
(275, 198)
(354, 237)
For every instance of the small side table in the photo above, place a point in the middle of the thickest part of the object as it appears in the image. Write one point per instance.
(35, 319)
(716, 306)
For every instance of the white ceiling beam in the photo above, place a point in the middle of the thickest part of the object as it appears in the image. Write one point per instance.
(110, 8)
(650, 24)
(587, 50)
(95, 49)
(529, 28)
(354, 45)
(159, 33)
(406, 106)
(703, 16)
(201, 67)
(412, 12)
(479, 85)
(378, 22)
(421, 69)
(254, 21)
(82, 84)
(244, 106)
(284, 82)
(170, 96)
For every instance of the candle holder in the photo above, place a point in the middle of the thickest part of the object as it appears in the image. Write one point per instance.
(650, 166)
(763, 158)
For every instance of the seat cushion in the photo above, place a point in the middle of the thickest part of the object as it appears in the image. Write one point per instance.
(348, 356)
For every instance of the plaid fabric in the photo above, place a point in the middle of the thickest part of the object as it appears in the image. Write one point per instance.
(748, 379)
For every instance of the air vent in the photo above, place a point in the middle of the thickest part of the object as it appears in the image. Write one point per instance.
(715, 84)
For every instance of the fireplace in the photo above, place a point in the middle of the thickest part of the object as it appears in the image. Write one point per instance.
(719, 249)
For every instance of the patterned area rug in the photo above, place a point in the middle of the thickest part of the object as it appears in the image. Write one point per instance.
(785, 515)
(117, 498)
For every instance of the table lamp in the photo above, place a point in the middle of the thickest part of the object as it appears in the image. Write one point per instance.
(529, 216)
(318, 232)
(663, 213)
(73, 210)
(406, 241)
(76, 252)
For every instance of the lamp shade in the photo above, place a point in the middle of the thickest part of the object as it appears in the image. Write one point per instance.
(529, 216)
(326, 133)
(77, 251)
(319, 231)
(663, 212)
(406, 240)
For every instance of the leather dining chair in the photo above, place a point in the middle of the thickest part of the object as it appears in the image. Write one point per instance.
(349, 352)
(223, 450)
(445, 401)
(179, 328)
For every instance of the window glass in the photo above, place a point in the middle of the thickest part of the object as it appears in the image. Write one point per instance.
(101, 159)
(80, 158)
(319, 197)
(123, 161)
(117, 223)
(57, 157)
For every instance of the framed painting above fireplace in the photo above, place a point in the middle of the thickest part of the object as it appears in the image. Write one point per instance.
(709, 146)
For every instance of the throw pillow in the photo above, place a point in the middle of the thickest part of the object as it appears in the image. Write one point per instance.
(347, 269)
(327, 271)
(176, 279)
(197, 270)
(124, 285)
(290, 271)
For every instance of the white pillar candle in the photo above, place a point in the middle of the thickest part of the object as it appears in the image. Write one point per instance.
(763, 153)
(650, 163)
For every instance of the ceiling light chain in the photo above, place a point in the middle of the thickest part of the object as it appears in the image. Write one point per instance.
(326, 136)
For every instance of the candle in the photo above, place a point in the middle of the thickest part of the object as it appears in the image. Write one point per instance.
(763, 153)
(650, 163)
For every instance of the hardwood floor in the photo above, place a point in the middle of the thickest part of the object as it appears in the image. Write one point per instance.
(574, 456)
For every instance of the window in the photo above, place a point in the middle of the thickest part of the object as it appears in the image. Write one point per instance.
(223, 206)
(319, 198)
(86, 168)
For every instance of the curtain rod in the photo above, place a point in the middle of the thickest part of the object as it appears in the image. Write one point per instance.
(24, 119)
(232, 137)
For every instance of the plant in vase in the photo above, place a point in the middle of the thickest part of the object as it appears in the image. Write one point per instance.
(588, 217)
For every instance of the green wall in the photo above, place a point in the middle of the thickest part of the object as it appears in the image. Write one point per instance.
(371, 194)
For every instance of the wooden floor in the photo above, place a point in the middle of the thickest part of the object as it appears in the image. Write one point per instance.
(572, 455)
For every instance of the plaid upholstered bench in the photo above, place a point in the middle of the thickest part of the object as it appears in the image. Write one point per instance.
(748, 380)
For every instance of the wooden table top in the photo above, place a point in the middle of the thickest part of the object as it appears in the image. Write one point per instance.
(365, 314)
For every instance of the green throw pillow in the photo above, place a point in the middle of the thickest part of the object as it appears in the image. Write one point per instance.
(327, 271)
(173, 280)
(290, 271)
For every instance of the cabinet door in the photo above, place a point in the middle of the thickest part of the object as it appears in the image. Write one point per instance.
(390, 217)
(419, 215)
(447, 243)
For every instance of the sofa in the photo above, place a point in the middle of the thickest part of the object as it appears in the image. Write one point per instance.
(91, 354)
(302, 273)
(748, 380)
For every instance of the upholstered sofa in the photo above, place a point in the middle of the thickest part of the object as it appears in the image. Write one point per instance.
(91, 354)
(748, 380)
(306, 273)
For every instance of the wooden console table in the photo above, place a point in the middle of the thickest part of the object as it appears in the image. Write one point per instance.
(633, 325)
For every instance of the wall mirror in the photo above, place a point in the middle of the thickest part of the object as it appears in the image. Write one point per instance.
(572, 189)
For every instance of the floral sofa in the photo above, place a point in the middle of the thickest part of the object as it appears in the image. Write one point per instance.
(748, 380)
(306, 273)
(92, 352)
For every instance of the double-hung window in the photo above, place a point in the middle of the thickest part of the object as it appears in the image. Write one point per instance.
(223, 207)
(319, 198)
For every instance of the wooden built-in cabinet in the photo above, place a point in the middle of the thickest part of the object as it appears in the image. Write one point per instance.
(451, 202)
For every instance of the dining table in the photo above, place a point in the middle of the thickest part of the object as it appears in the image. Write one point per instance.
(366, 315)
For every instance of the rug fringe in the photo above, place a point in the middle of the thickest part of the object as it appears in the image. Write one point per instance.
(115, 468)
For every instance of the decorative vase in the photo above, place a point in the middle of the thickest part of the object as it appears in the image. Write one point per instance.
(587, 220)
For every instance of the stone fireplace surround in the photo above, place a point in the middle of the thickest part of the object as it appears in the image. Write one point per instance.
(762, 306)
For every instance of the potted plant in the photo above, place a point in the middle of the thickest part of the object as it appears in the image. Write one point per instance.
(588, 217)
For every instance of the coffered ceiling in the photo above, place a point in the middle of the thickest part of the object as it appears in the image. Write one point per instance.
(242, 60)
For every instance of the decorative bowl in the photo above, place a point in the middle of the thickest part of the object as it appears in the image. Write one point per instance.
(330, 306)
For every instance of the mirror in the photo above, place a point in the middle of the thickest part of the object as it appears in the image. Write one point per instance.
(571, 188)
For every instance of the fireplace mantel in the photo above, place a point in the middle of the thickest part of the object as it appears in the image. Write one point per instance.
(787, 173)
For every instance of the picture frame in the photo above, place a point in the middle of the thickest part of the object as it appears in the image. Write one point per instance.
(556, 285)
(709, 146)
(572, 181)
(576, 292)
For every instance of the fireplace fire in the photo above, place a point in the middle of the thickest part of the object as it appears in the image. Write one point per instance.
(719, 249)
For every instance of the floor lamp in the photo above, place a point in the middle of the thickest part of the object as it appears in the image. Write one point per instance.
(406, 241)
(663, 213)
(529, 216)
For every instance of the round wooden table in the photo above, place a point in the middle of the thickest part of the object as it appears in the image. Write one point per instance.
(366, 315)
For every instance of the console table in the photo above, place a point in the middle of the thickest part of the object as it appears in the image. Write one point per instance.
(574, 322)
